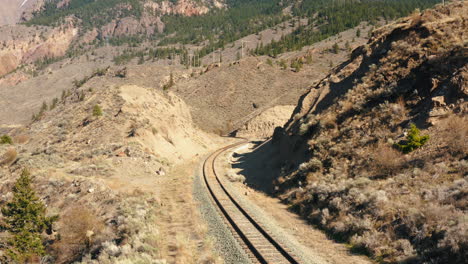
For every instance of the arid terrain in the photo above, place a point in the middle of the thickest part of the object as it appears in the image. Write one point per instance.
(356, 139)
(334, 161)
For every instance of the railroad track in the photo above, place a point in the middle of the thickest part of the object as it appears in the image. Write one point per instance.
(259, 245)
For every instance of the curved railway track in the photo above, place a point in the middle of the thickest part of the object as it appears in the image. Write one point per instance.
(260, 246)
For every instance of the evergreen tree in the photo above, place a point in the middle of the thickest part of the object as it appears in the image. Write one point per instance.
(25, 220)
(335, 48)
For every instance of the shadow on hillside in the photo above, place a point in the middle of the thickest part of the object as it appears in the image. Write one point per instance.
(258, 167)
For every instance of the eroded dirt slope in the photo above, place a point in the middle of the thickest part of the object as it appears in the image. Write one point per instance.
(102, 171)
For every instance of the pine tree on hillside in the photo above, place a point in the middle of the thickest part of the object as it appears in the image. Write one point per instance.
(25, 220)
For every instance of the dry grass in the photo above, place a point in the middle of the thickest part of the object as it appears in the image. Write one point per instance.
(396, 208)
(81, 229)
(183, 237)
(400, 108)
(385, 160)
(21, 139)
(454, 133)
(329, 121)
(9, 157)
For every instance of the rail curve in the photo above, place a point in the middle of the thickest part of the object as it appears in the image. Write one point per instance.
(260, 246)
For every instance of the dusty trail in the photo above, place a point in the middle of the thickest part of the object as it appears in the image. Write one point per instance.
(183, 237)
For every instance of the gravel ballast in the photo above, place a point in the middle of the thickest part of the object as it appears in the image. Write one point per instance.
(228, 247)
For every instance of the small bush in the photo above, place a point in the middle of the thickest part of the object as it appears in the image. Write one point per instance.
(336, 48)
(5, 139)
(386, 160)
(54, 103)
(170, 83)
(21, 139)
(413, 140)
(97, 110)
(81, 229)
(8, 157)
(454, 132)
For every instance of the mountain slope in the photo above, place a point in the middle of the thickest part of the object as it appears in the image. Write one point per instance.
(340, 170)
(101, 171)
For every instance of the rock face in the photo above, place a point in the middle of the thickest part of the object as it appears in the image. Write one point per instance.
(263, 125)
(147, 25)
(185, 7)
(341, 168)
(26, 45)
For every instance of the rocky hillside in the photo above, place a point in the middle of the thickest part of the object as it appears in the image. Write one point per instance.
(375, 154)
(65, 26)
(96, 155)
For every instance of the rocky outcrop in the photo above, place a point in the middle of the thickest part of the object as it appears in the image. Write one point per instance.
(263, 125)
(147, 25)
(27, 45)
(183, 7)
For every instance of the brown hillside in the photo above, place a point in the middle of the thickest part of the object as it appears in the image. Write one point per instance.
(341, 170)
(100, 155)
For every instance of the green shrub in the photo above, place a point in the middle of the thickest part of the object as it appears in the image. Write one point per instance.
(5, 139)
(97, 110)
(335, 48)
(413, 140)
(170, 83)
(24, 218)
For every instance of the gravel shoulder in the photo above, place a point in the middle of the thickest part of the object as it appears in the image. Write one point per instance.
(225, 244)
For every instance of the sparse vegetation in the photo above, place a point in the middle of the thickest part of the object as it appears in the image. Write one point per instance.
(170, 83)
(97, 111)
(21, 139)
(297, 64)
(81, 231)
(5, 139)
(454, 131)
(54, 103)
(9, 157)
(386, 160)
(96, 72)
(354, 182)
(282, 64)
(335, 49)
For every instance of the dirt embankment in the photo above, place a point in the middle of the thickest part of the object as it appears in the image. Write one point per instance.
(23, 45)
(340, 167)
(100, 157)
(263, 125)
